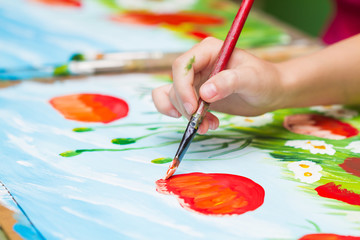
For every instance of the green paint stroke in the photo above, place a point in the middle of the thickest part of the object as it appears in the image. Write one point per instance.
(77, 57)
(190, 64)
(156, 125)
(61, 70)
(161, 160)
(123, 141)
(73, 153)
(317, 228)
(83, 129)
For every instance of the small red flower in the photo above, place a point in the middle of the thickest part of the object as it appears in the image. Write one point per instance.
(214, 194)
(352, 166)
(327, 236)
(319, 126)
(331, 190)
(175, 19)
(65, 3)
(90, 107)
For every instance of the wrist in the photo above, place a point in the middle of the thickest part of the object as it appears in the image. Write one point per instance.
(288, 86)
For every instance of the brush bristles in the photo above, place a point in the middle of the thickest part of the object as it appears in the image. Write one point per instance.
(172, 168)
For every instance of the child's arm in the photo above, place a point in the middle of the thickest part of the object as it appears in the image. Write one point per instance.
(251, 86)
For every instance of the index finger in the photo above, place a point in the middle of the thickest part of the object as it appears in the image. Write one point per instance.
(199, 59)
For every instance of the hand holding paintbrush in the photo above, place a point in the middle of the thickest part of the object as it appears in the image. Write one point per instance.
(251, 86)
(222, 60)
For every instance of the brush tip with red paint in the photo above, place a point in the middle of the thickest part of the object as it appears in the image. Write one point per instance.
(172, 168)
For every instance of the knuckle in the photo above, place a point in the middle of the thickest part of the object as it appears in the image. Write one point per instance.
(210, 40)
(177, 63)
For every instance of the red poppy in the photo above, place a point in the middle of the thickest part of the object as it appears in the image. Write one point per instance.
(66, 3)
(352, 166)
(90, 107)
(149, 18)
(327, 236)
(214, 193)
(319, 126)
(331, 190)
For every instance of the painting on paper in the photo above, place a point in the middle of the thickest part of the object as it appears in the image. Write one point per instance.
(84, 159)
(39, 37)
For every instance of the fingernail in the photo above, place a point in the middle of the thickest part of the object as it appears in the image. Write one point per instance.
(208, 90)
(188, 108)
(174, 113)
(212, 125)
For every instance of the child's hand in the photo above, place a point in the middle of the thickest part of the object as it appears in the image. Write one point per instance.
(248, 87)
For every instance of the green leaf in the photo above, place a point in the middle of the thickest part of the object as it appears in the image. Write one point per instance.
(83, 129)
(70, 153)
(161, 160)
(123, 141)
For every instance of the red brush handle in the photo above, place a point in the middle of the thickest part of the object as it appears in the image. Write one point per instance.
(232, 37)
(225, 52)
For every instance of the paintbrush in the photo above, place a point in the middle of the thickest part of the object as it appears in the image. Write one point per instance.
(90, 64)
(222, 59)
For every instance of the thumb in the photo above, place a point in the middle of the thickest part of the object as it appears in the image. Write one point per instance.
(220, 86)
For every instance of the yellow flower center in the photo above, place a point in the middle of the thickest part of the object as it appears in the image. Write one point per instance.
(307, 174)
(248, 120)
(320, 147)
(304, 165)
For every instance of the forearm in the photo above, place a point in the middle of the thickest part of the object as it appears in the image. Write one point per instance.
(329, 76)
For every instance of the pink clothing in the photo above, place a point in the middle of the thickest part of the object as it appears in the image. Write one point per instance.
(346, 21)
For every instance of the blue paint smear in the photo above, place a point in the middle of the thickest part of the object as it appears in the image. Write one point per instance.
(34, 36)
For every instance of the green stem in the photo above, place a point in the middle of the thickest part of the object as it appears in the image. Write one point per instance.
(73, 153)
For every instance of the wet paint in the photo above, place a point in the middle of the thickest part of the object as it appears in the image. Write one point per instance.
(125, 141)
(327, 236)
(90, 107)
(319, 126)
(64, 3)
(83, 129)
(190, 64)
(76, 152)
(214, 193)
(161, 160)
(198, 34)
(175, 19)
(351, 165)
(331, 190)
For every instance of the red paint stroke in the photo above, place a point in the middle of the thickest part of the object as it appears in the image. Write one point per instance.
(351, 165)
(327, 236)
(319, 126)
(90, 107)
(198, 34)
(175, 19)
(64, 3)
(331, 190)
(214, 193)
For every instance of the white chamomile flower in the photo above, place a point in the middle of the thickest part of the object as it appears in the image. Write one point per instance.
(336, 111)
(163, 6)
(314, 146)
(308, 176)
(306, 171)
(354, 147)
(252, 121)
(304, 166)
